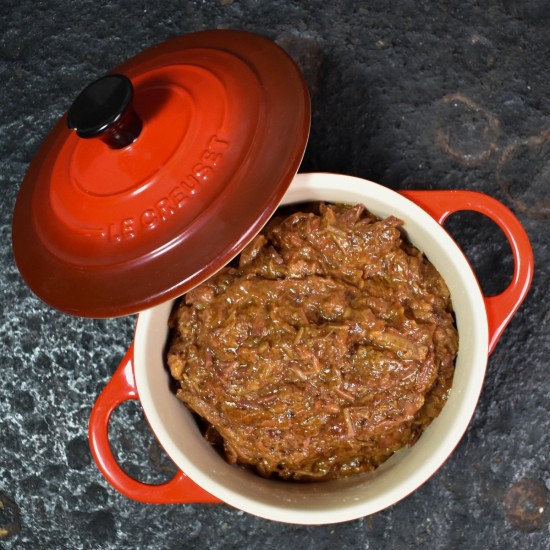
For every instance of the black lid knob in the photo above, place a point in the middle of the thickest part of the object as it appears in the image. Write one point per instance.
(104, 109)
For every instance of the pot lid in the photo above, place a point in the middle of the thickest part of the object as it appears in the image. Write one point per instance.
(160, 173)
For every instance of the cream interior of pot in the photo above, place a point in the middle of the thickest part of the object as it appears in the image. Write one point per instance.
(346, 499)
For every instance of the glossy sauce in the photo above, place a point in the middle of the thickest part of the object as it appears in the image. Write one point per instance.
(328, 347)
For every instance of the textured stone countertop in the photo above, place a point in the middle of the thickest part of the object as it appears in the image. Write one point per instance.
(411, 94)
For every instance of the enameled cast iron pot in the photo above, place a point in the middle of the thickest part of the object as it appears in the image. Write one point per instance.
(206, 477)
(159, 174)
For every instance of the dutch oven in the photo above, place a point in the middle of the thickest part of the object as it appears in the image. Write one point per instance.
(158, 175)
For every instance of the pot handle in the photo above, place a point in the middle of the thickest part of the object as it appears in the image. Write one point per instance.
(179, 490)
(500, 308)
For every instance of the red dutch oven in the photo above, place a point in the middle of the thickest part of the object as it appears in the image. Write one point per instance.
(159, 174)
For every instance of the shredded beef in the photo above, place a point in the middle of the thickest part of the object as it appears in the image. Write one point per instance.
(326, 348)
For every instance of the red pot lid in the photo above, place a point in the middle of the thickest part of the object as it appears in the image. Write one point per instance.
(132, 201)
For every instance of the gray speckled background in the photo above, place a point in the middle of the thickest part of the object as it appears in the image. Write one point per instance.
(412, 94)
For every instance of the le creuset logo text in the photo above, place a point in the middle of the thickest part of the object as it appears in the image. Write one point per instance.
(167, 206)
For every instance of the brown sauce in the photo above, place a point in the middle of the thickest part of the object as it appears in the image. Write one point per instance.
(328, 346)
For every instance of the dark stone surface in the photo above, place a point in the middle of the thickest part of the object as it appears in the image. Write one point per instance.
(412, 94)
